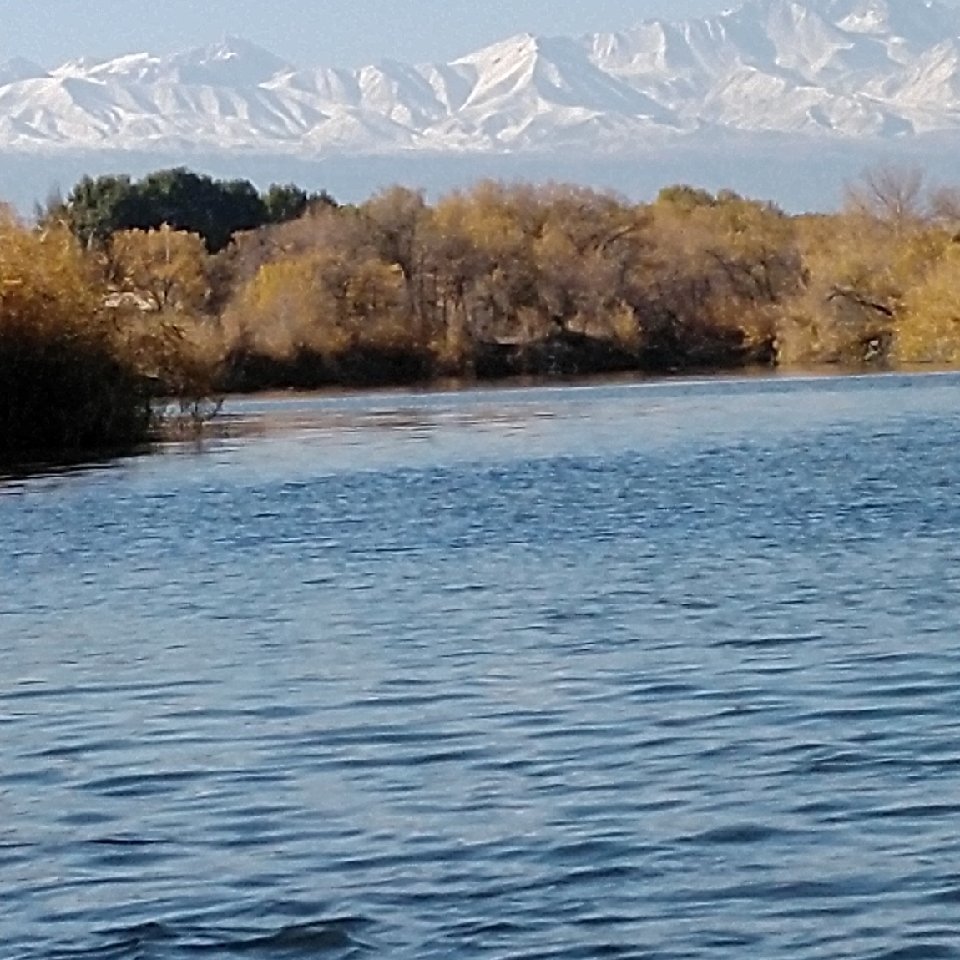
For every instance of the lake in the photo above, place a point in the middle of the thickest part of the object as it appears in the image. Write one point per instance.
(649, 670)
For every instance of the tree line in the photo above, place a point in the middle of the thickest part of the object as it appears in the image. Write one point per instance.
(191, 286)
(216, 210)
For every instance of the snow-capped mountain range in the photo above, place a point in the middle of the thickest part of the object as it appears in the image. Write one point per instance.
(835, 70)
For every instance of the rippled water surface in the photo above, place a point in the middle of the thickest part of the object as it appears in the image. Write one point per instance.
(652, 671)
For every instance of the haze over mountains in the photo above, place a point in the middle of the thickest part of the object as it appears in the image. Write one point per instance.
(815, 88)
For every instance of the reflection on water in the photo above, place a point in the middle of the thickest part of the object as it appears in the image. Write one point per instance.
(652, 670)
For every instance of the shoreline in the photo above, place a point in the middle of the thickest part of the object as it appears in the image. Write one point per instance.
(230, 421)
(459, 385)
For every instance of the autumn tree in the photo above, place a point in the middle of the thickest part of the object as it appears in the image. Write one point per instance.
(893, 195)
(500, 292)
(66, 382)
(720, 268)
(399, 221)
(158, 291)
(324, 301)
(860, 274)
(162, 268)
(683, 196)
(928, 322)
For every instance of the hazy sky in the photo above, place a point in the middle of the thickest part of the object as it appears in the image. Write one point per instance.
(313, 32)
(310, 32)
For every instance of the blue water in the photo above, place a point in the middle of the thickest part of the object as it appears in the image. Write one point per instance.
(649, 671)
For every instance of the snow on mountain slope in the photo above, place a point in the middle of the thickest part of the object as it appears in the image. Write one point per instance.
(233, 62)
(825, 68)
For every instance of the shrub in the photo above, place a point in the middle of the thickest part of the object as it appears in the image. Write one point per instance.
(65, 382)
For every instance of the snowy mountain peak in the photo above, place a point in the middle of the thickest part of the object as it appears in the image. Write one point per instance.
(232, 62)
(502, 55)
(914, 21)
(839, 68)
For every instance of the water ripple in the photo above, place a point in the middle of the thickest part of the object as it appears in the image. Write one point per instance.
(651, 671)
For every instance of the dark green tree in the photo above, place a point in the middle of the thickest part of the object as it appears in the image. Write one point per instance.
(196, 203)
(285, 202)
(183, 200)
(97, 207)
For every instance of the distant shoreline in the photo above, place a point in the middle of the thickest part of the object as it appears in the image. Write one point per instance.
(231, 421)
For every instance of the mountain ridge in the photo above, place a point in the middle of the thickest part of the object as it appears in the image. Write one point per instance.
(881, 74)
(845, 68)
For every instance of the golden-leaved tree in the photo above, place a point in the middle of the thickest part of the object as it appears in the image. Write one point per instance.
(162, 269)
(66, 380)
(928, 330)
(868, 282)
(720, 269)
(323, 301)
(158, 288)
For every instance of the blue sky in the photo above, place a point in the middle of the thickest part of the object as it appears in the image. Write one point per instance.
(310, 32)
(313, 32)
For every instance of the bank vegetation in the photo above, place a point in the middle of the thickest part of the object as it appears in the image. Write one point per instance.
(133, 297)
